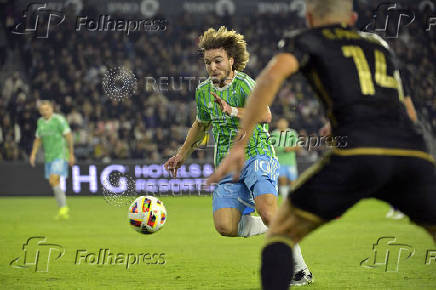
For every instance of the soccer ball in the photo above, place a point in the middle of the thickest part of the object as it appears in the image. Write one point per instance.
(147, 214)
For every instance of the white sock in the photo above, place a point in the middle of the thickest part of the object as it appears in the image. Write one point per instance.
(251, 226)
(60, 196)
(298, 259)
(284, 190)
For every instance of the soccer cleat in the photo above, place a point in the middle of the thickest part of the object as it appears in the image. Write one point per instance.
(397, 215)
(394, 214)
(390, 213)
(301, 278)
(63, 213)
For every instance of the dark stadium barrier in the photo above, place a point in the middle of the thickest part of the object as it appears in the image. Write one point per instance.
(94, 178)
(19, 178)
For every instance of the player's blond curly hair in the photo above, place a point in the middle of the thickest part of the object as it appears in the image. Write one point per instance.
(231, 41)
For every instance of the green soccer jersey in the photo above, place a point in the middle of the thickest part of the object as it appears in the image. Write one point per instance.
(52, 133)
(281, 140)
(224, 127)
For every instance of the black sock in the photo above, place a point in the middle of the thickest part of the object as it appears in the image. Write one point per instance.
(277, 266)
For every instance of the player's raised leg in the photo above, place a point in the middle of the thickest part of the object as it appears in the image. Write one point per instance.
(228, 208)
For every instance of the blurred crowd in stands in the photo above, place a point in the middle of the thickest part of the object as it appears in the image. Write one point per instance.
(68, 68)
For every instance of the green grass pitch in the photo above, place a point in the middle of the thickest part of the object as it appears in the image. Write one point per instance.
(196, 257)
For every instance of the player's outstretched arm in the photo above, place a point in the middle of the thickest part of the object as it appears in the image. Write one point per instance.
(193, 139)
(69, 139)
(35, 147)
(267, 84)
(239, 112)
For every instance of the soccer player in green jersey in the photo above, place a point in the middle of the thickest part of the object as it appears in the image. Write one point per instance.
(220, 104)
(285, 144)
(356, 76)
(54, 133)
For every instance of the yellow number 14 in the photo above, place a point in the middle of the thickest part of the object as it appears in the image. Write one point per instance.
(364, 72)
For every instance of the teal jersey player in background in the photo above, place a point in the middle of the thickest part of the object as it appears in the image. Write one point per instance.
(220, 104)
(285, 144)
(54, 134)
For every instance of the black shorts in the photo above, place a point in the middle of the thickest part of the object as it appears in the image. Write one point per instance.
(336, 183)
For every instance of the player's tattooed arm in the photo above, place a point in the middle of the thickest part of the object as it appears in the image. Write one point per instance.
(268, 83)
(239, 112)
(35, 147)
(193, 139)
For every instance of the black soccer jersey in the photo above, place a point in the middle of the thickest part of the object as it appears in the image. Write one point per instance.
(357, 79)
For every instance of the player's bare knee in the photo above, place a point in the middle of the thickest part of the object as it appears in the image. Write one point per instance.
(226, 230)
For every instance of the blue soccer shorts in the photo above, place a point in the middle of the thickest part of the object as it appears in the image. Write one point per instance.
(58, 167)
(259, 176)
(290, 172)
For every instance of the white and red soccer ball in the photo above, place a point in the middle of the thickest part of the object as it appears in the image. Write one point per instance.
(147, 214)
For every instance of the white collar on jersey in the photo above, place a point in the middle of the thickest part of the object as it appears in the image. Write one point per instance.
(48, 118)
(226, 86)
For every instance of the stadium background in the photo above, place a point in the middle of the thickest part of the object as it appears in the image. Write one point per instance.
(143, 130)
